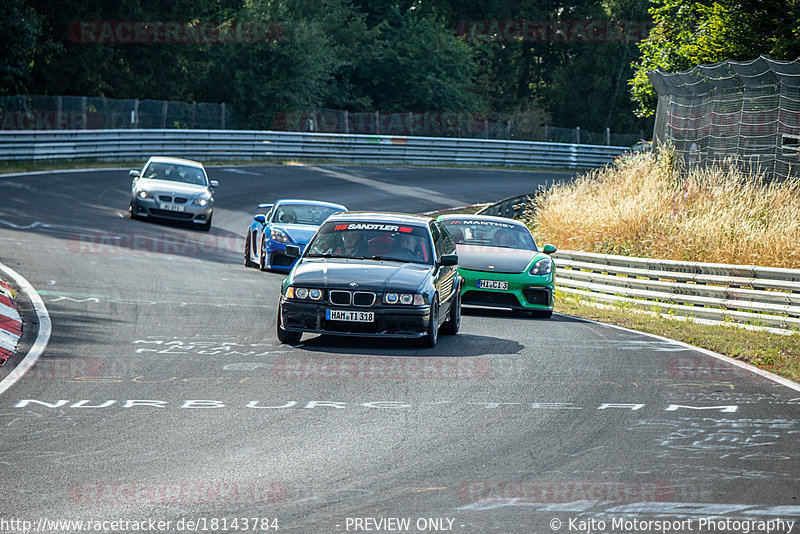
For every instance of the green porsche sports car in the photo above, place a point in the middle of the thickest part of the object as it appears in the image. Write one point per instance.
(501, 265)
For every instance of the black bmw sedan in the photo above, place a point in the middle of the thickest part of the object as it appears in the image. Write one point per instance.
(374, 275)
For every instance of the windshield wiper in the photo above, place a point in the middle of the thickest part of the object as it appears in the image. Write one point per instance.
(381, 258)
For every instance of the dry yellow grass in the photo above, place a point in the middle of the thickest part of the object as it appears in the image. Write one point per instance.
(644, 208)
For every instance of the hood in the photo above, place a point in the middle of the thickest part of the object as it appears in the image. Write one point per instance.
(300, 233)
(379, 276)
(168, 187)
(504, 260)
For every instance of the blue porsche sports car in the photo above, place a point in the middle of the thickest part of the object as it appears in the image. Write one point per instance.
(286, 222)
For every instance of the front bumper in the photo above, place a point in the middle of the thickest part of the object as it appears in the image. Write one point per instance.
(148, 207)
(525, 292)
(390, 321)
(276, 256)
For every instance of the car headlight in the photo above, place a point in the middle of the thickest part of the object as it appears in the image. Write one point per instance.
(203, 202)
(543, 266)
(403, 298)
(279, 236)
(303, 293)
(144, 194)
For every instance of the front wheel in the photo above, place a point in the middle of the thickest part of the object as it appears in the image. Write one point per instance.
(247, 261)
(453, 323)
(132, 213)
(262, 260)
(285, 336)
(207, 226)
(432, 334)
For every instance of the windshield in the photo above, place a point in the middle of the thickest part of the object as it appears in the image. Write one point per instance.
(489, 233)
(303, 214)
(176, 173)
(372, 240)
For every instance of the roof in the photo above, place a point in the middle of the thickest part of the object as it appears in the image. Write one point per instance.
(309, 203)
(177, 161)
(469, 217)
(383, 217)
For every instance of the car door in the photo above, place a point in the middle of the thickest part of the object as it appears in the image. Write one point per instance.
(444, 275)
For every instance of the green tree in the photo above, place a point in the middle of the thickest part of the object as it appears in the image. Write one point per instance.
(19, 35)
(689, 33)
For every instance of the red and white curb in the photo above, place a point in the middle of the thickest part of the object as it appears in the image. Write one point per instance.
(42, 336)
(10, 324)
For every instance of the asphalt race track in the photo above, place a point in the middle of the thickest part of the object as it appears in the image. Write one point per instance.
(164, 394)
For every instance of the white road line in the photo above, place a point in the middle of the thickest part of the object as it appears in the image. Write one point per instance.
(45, 329)
(746, 366)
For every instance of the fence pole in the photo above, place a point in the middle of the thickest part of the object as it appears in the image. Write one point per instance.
(164, 114)
(608, 136)
(84, 118)
(222, 116)
(194, 112)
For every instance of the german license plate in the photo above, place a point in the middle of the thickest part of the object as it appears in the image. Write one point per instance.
(493, 284)
(171, 207)
(350, 315)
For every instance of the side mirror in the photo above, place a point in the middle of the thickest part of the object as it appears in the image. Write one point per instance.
(214, 184)
(293, 251)
(449, 259)
(134, 173)
(260, 218)
(549, 249)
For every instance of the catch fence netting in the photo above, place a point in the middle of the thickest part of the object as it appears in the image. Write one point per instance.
(742, 112)
(32, 112)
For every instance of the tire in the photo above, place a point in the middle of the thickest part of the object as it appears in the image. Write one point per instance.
(285, 336)
(432, 335)
(543, 314)
(207, 226)
(453, 323)
(132, 214)
(247, 261)
(262, 263)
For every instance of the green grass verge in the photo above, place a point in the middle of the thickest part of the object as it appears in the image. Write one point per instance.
(777, 353)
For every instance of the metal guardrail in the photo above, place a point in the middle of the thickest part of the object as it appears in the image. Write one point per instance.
(238, 144)
(512, 208)
(741, 293)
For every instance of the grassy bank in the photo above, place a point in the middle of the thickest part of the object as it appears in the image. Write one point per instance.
(644, 208)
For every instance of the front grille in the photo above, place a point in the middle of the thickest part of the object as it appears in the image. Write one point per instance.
(537, 295)
(490, 298)
(362, 298)
(176, 200)
(171, 214)
(340, 298)
(280, 260)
